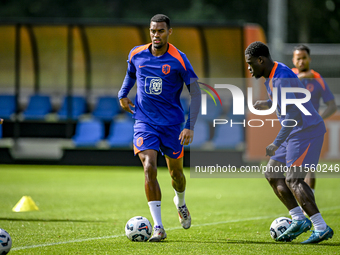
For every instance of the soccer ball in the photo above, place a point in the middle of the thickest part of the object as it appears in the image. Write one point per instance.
(138, 229)
(279, 226)
(5, 242)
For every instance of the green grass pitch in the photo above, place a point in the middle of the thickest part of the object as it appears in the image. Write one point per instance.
(83, 210)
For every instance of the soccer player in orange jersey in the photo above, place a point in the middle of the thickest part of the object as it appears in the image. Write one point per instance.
(318, 88)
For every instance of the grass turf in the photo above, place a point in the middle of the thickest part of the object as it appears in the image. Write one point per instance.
(83, 210)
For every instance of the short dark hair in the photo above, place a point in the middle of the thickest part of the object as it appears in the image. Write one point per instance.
(161, 18)
(257, 49)
(302, 47)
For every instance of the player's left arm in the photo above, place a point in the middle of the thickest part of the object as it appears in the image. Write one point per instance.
(327, 97)
(187, 133)
(330, 110)
(190, 78)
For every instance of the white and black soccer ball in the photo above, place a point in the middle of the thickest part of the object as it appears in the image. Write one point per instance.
(138, 229)
(5, 242)
(279, 226)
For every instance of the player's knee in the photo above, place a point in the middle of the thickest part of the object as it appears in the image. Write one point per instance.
(270, 178)
(177, 175)
(150, 171)
(292, 181)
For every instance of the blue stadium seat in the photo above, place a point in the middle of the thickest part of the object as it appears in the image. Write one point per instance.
(78, 107)
(107, 107)
(201, 134)
(88, 132)
(38, 107)
(7, 106)
(121, 133)
(227, 137)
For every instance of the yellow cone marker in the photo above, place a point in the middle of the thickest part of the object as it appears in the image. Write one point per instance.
(25, 204)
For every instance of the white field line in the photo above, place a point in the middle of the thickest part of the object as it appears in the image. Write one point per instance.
(167, 229)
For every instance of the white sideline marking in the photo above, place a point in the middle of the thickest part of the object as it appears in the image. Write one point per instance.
(66, 242)
(115, 236)
(167, 229)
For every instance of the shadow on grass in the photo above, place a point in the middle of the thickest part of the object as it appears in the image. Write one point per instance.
(219, 241)
(50, 220)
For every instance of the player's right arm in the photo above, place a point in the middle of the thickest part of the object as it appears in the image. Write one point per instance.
(292, 114)
(125, 104)
(292, 118)
(128, 83)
